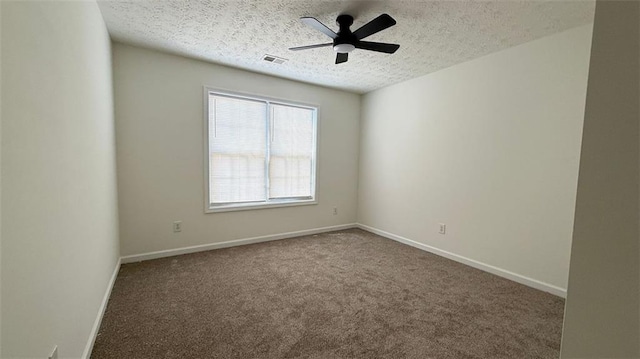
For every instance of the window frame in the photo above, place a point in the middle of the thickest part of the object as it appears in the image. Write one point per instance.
(268, 203)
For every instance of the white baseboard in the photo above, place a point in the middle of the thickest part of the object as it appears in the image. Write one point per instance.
(96, 325)
(549, 288)
(232, 243)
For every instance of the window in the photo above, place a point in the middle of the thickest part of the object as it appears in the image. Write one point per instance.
(260, 152)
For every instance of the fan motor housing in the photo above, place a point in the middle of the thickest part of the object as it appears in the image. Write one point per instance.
(345, 41)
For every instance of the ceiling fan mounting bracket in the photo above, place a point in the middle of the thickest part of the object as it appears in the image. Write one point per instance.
(344, 21)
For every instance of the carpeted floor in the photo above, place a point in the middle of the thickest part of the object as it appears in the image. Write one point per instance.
(347, 294)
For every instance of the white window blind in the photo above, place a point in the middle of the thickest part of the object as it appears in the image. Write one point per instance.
(260, 152)
(238, 150)
(290, 165)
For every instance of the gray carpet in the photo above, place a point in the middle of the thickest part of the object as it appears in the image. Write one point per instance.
(347, 294)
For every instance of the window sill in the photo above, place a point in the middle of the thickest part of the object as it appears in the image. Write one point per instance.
(253, 206)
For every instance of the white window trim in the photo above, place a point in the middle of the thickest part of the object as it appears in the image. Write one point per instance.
(274, 203)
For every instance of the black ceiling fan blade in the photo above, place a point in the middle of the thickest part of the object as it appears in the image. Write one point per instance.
(377, 46)
(310, 46)
(315, 24)
(341, 57)
(378, 24)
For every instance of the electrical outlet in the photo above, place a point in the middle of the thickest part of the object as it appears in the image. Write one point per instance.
(335, 211)
(54, 353)
(177, 226)
(443, 228)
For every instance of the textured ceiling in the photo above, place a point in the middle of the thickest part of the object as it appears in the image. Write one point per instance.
(432, 34)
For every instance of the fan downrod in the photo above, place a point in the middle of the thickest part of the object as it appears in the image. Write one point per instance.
(344, 21)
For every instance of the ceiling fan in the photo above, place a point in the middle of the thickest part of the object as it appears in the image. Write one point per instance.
(346, 41)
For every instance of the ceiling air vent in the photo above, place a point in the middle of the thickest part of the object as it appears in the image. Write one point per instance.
(274, 59)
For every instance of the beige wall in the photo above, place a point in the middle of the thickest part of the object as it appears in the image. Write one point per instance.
(0, 182)
(602, 313)
(59, 209)
(490, 148)
(159, 122)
